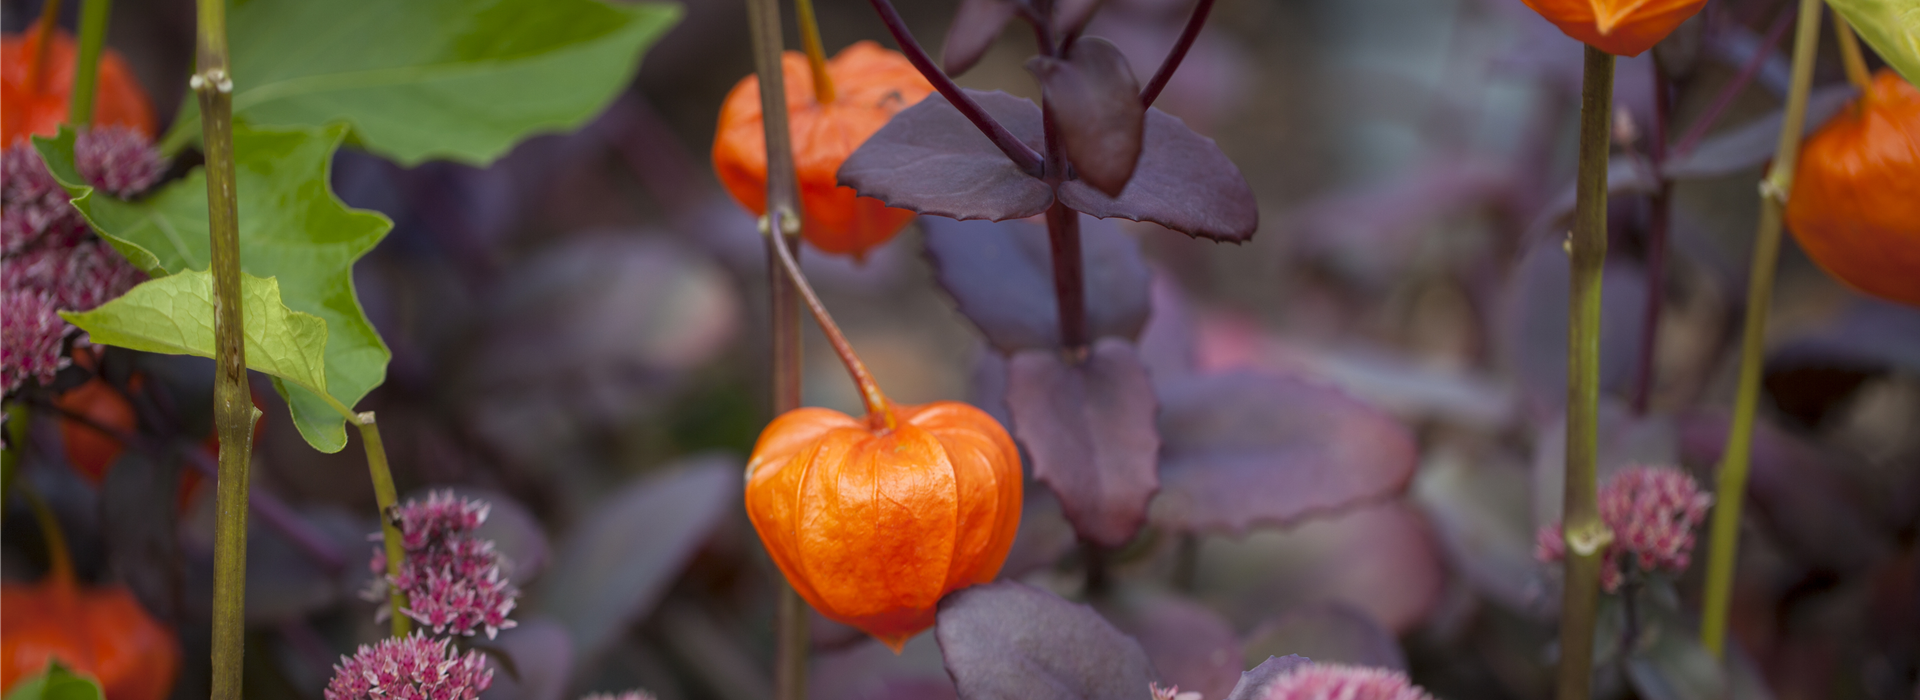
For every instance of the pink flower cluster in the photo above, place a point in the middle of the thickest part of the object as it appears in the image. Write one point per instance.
(410, 668)
(1652, 512)
(49, 259)
(452, 578)
(1343, 682)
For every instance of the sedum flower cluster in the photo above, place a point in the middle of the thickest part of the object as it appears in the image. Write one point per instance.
(1652, 511)
(452, 578)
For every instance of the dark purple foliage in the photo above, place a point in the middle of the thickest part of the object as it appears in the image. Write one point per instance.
(1245, 449)
(974, 27)
(542, 658)
(1253, 684)
(1534, 327)
(1193, 647)
(1095, 101)
(1332, 632)
(1090, 430)
(1000, 275)
(1183, 182)
(930, 159)
(1069, 16)
(1011, 641)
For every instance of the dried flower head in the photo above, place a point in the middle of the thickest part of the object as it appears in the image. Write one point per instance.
(409, 668)
(33, 337)
(1343, 682)
(452, 579)
(1652, 512)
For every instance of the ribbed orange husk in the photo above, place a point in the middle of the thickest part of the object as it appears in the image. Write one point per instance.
(99, 632)
(873, 526)
(117, 100)
(1618, 27)
(870, 85)
(1855, 203)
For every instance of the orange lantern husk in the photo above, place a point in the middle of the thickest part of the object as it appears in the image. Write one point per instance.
(874, 520)
(37, 107)
(1618, 27)
(1855, 202)
(101, 632)
(870, 85)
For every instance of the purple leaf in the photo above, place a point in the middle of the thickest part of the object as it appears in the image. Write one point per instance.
(1089, 427)
(1191, 646)
(542, 654)
(1044, 537)
(1001, 277)
(974, 28)
(1011, 641)
(1244, 449)
(871, 671)
(1070, 16)
(1481, 511)
(1095, 101)
(1183, 182)
(1870, 334)
(607, 574)
(1533, 327)
(1751, 144)
(930, 159)
(1332, 632)
(1253, 684)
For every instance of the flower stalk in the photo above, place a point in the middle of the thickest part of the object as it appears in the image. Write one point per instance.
(86, 68)
(1774, 190)
(816, 52)
(763, 23)
(1585, 534)
(42, 38)
(387, 498)
(876, 403)
(1176, 54)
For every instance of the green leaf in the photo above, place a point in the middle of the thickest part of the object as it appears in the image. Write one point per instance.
(457, 79)
(56, 683)
(174, 315)
(1891, 27)
(292, 228)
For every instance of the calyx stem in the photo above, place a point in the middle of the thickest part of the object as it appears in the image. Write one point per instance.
(42, 38)
(816, 53)
(876, 402)
(1176, 54)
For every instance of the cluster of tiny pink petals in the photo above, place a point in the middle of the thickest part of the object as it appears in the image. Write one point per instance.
(1652, 511)
(34, 333)
(1342, 682)
(452, 579)
(409, 668)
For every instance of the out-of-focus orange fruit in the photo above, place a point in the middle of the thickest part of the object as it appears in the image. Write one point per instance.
(1855, 202)
(118, 99)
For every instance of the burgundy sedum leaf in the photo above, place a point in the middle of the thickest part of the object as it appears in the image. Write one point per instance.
(1095, 101)
(931, 160)
(1090, 429)
(1332, 632)
(1000, 275)
(1245, 449)
(1193, 647)
(1182, 182)
(975, 26)
(1011, 641)
(1253, 684)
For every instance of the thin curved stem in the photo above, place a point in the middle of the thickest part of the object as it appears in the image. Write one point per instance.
(42, 38)
(1730, 492)
(816, 53)
(1586, 535)
(1698, 130)
(86, 67)
(1016, 150)
(1850, 55)
(1177, 54)
(876, 402)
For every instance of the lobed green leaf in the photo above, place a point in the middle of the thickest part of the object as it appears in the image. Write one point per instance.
(1891, 27)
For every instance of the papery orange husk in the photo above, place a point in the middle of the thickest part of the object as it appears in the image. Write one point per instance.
(873, 526)
(118, 99)
(1855, 201)
(98, 632)
(870, 85)
(1618, 27)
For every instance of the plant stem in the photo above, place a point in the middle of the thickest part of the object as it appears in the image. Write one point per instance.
(1016, 150)
(1063, 240)
(233, 410)
(876, 402)
(42, 38)
(1659, 220)
(1586, 536)
(86, 67)
(59, 560)
(386, 497)
(763, 23)
(1730, 492)
(1850, 54)
(1725, 99)
(816, 53)
(1176, 54)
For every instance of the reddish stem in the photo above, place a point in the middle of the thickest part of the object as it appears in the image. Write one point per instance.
(1177, 54)
(1699, 129)
(876, 403)
(1016, 150)
(1657, 225)
(42, 38)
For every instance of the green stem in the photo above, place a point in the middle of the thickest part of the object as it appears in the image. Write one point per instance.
(233, 410)
(86, 67)
(783, 204)
(1586, 535)
(816, 52)
(386, 497)
(1730, 492)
